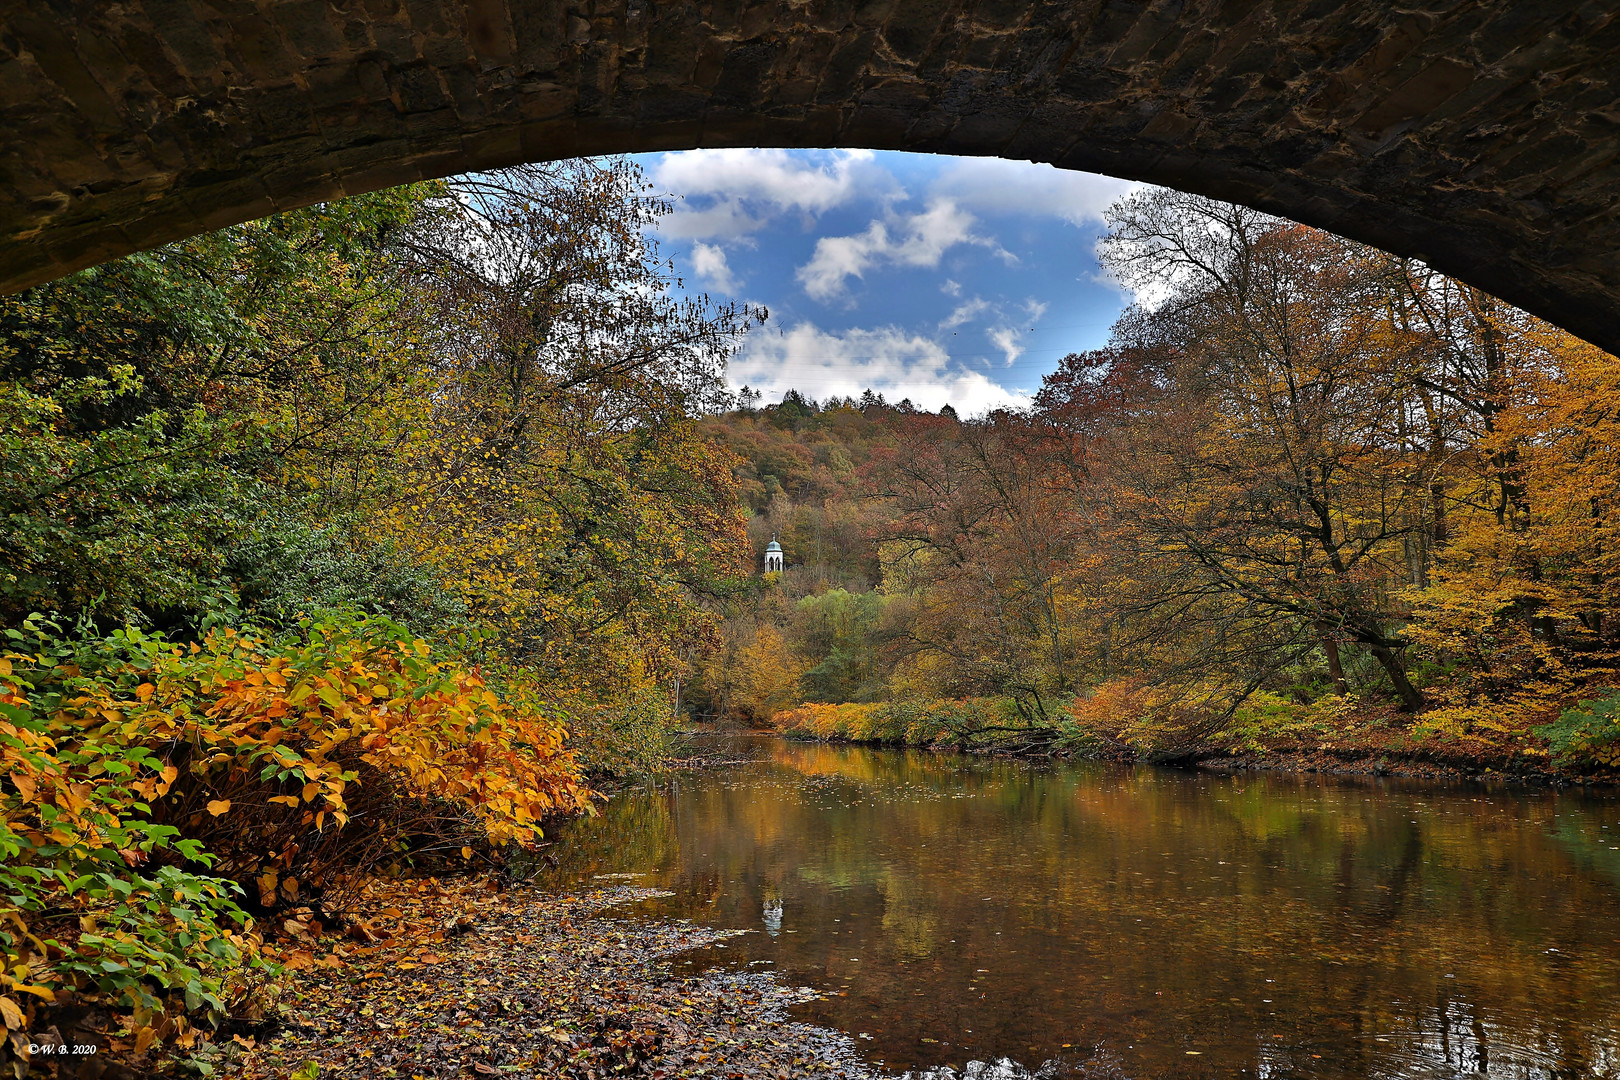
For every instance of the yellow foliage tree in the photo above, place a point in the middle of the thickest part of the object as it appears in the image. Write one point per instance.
(549, 465)
(754, 674)
(1522, 597)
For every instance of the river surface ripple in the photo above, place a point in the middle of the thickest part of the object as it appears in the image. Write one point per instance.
(1003, 918)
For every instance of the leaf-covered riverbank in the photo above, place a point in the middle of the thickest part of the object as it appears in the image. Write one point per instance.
(533, 985)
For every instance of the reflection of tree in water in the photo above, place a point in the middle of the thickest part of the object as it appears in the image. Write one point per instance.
(1000, 908)
(904, 768)
(631, 833)
(1591, 844)
(909, 921)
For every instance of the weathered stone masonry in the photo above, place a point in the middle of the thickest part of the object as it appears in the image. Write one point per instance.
(1479, 134)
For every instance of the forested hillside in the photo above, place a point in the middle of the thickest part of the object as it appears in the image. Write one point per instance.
(1311, 493)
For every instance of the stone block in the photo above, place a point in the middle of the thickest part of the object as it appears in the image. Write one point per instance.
(913, 26)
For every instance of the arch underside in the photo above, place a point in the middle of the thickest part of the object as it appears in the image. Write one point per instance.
(1482, 137)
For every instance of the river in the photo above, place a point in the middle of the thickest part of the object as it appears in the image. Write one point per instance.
(1104, 921)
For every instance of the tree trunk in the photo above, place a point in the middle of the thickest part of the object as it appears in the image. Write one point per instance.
(1411, 698)
(1330, 646)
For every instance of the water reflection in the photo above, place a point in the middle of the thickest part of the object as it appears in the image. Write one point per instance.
(773, 915)
(968, 916)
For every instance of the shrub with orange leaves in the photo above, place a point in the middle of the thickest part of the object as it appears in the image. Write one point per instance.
(1114, 709)
(357, 698)
(152, 791)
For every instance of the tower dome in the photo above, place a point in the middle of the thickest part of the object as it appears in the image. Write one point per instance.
(773, 557)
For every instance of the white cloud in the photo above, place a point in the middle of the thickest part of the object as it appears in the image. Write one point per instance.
(732, 193)
(709, 263)
(724, 220)
(1035, 309)
(999, 186)
(906, 240)
(749, 187)
(965, 313)
(951, 288)
(891, 361)
(1008, 340)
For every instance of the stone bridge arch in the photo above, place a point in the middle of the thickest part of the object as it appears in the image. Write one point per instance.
(1481, 135)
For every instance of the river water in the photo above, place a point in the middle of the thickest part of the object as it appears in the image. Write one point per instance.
(1103, 921)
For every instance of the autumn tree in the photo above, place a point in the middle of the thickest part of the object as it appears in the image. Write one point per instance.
(552, 469)
(980, 534)
(1521, 596)
(752, 674)
(1271, 470)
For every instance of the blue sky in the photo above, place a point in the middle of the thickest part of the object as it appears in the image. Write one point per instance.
(941, 279)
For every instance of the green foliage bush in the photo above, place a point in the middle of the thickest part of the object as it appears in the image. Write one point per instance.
(841, 630)
(1587, 735)
(149, 409)
(287, 567)
(99, 902)
(123, 519)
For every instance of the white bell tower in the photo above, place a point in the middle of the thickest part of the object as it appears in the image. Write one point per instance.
(773, 557)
